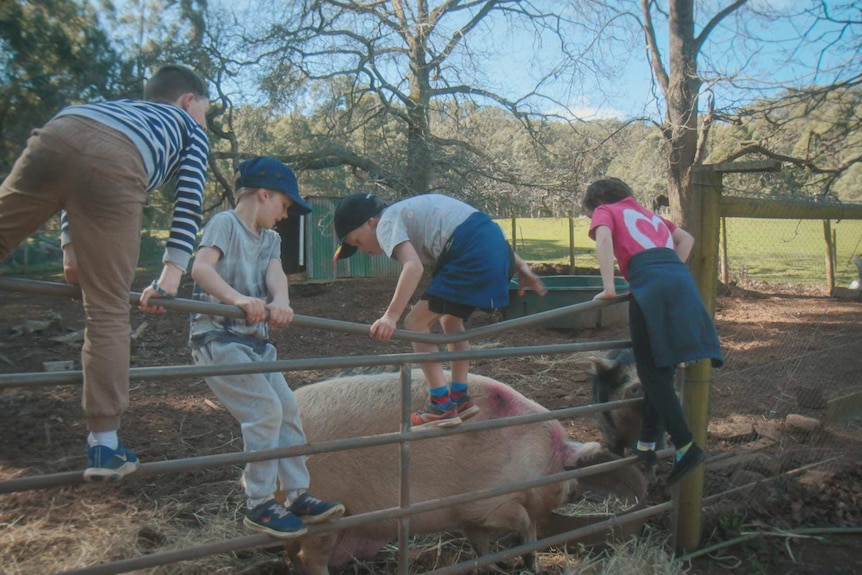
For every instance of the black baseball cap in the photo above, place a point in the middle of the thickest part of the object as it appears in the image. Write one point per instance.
(350, 213)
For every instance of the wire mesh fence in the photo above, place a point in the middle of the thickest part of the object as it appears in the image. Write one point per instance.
(789, 251)
(786, 409)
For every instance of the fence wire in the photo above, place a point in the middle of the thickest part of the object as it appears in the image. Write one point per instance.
(786, 251)
(786, 409)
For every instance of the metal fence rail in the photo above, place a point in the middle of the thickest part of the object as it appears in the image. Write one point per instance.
(403, 438)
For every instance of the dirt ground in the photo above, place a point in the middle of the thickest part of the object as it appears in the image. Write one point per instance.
(789, 351)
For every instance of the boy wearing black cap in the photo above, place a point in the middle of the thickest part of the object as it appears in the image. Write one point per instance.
(472, 264)
(239, 263)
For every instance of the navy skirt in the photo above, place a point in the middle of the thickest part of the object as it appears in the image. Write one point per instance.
(474, 268)
(679, 326)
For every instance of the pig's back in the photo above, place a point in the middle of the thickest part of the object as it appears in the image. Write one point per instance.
(367, 405)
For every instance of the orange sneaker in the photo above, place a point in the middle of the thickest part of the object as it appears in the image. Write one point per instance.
(466, 407)
(432, 416)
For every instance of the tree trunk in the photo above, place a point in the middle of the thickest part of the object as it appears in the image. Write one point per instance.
(418, 174)
(682, 104)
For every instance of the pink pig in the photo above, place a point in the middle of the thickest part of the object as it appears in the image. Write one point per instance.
(368, 479)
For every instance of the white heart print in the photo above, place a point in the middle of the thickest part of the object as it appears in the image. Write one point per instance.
(657, 235)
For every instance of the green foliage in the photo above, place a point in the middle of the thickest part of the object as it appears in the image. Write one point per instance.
(52, 53)
(818, 127)
(41, 254)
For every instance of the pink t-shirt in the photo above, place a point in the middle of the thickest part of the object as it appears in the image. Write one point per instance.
(633, 229)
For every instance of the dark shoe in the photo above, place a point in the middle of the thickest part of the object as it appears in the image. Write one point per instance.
(689, 461)
(106, 464)
(312, 510)
(648, 458)
(274, 519)
(466, 408)
(432, 416)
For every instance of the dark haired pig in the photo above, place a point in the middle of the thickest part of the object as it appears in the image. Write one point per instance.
(368, 479)
(614, 377)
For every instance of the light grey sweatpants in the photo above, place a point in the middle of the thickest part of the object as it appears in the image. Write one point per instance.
(268, 415)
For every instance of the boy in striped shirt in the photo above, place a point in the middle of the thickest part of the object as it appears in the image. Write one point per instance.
(97, 163)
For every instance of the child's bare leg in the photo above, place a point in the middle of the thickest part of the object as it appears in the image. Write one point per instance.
(458, 395)
(439, 412)
(420, 319)
(461, 367)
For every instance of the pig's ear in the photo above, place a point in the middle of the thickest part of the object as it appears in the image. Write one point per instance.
(579, 454)
(602, 364)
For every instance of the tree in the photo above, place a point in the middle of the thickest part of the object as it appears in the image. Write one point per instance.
(406, 74)
(52, 53)
(681, 82)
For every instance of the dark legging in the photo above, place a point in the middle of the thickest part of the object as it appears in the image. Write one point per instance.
(661, 408)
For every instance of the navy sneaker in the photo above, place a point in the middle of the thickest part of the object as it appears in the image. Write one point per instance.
(273, 518)
(693, 456)
(312, 510)
(647, 457)
(106, 464)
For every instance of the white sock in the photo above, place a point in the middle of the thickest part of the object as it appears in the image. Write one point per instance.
(108, 439)
(252, 503)
(291, 495)
(646, 445)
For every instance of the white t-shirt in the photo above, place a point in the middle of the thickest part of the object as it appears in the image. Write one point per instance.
(426, 221)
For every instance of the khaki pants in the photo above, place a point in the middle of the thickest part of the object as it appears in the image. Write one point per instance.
(97, 175)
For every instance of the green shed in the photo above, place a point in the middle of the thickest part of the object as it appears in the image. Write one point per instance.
(321, 244)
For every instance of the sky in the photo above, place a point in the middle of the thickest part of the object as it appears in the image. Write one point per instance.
(617, 82)
(766, 55)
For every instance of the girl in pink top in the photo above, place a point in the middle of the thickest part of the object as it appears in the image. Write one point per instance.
(668, 322)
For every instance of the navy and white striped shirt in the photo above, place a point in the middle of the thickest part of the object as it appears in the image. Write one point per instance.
(171, 144)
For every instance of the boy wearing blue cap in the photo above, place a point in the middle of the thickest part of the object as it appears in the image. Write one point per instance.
(239, 263)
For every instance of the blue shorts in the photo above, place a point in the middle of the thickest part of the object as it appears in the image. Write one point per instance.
(474, 269)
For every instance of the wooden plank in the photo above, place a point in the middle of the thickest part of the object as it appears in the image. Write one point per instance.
(843, 409)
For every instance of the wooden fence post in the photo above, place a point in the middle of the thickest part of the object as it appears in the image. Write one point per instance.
(830, 266)
(571, 245)
(687, 521)
(514, 232)
(724, 264)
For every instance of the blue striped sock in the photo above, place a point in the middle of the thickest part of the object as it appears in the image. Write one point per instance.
(440, 397)
(457, 391)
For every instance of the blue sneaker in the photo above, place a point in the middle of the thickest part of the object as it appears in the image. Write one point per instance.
(106, 464)
(273, 518)
(312, 510)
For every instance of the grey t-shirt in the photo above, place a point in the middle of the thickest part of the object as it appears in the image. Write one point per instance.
(245, 258)
(426, 221)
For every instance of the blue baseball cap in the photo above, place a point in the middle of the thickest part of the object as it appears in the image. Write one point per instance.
(269, 173)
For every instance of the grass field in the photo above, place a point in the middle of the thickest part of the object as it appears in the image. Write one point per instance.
(758, 250)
